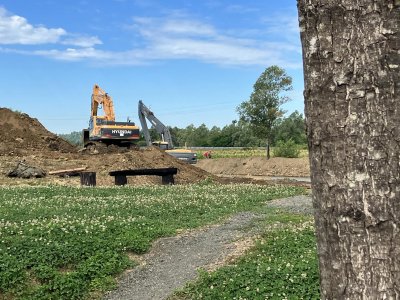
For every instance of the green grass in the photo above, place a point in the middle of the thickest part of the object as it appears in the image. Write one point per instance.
(68, 243)
(283, 265)
(243, 153)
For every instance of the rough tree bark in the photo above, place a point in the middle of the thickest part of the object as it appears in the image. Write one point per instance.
(351, 55)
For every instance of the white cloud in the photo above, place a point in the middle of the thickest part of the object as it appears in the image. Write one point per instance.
(215, 51)
(72, 54)
(284, 23)
(150, 27)
(90, 54)
(82, 41)
(241, 9)
(16, 30)
(181, 38)
(173, 37)
(188, 27)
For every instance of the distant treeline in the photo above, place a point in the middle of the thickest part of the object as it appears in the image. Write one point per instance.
(236, 134)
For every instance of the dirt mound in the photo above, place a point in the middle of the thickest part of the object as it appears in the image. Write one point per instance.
(102, 164)
(257, 166)
(21, 134)
(25, 138)
(145, 158)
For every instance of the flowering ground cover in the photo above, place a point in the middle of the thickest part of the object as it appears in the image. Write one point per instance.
(69, 243)
(283, 265)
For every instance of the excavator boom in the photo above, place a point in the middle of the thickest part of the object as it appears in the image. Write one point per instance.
(100, 97)
(181, 154)
(146, 113)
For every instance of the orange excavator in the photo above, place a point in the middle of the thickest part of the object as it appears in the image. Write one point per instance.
(104, 130)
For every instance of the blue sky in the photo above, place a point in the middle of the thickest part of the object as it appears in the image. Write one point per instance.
(191, 62)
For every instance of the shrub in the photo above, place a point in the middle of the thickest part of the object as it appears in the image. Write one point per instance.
(286, 149)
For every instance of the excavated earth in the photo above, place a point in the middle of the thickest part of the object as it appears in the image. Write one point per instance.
(257, 166)
(25, 139)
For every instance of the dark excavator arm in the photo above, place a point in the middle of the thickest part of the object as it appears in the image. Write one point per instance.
(145, 113)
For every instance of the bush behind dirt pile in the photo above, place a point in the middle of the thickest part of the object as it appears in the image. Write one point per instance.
(286, 149)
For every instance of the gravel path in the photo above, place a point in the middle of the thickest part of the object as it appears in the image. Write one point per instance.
(297, 204)
(174, 261)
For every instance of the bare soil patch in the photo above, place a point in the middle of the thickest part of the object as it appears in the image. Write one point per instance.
(257, 166)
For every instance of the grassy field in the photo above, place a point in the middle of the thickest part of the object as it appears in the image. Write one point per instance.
(282, 265)
(242, 153)
(70, 243)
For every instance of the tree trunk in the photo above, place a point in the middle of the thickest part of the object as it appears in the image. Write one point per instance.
(351, 66)
(268, 150)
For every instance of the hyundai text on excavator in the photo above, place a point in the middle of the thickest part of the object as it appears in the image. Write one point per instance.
(166, 142)
(104, 130)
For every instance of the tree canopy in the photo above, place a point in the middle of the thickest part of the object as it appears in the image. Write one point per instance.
(236, 134)
(263, 108)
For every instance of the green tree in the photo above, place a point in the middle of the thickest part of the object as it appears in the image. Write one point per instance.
(75, 137)
(214, 137)
(225, 138)
(291, 128)
(188, 136)
(201, 137)
(244, 137)
(175, 135)
(263, 108)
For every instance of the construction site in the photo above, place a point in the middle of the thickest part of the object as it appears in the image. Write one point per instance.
(25, 140)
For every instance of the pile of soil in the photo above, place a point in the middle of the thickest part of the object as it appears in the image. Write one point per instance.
(151, 157)
(23, 138)
(257, 166)
(21, 134)
(102, 164)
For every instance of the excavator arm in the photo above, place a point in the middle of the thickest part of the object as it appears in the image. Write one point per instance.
(145, 113)
(181, 154)
(100, 97)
